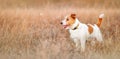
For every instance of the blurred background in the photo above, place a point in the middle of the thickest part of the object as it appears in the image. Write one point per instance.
(60, 3)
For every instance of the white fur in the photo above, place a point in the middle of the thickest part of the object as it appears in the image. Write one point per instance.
(101, 15)
(81, 34)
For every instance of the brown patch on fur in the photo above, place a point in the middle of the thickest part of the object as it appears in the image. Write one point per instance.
(73, 16)
(70, 20)
(99, 22)
(90, 29)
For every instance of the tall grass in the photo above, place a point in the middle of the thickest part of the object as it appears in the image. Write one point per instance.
(59, 3)
(36, 33)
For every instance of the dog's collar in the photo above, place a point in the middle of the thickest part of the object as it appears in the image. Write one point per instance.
(75, 27)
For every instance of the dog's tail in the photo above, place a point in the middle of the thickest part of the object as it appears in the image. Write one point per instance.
(100, 20)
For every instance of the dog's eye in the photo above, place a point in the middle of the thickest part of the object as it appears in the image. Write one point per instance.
(67, 19)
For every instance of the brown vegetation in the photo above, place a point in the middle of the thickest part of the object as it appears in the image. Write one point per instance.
(36, 33)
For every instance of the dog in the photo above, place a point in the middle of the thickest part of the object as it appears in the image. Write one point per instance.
(80, 32)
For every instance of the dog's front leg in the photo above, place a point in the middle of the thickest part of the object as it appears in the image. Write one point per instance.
(83, 41)
(76, 41)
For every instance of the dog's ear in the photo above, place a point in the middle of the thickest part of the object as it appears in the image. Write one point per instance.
(73, 16)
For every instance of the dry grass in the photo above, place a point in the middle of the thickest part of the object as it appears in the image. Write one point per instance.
(36, 33)
(59, 3)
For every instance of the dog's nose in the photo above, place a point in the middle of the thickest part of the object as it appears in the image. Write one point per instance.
(61, 23)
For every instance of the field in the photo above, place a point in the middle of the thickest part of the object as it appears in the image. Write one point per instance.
(31, 29)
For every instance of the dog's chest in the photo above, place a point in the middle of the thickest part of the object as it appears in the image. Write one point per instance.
(75, 34)
(79, 33)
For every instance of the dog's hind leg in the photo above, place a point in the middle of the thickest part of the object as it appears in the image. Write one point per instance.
(99, 37)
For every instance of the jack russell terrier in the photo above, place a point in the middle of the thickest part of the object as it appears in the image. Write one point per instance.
(80, 32)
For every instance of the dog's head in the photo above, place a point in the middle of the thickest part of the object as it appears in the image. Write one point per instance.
(68, 21)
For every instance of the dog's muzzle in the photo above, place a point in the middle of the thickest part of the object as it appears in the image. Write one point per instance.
(61, 23)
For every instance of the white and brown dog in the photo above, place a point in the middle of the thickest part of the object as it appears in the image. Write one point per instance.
(80, 32)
